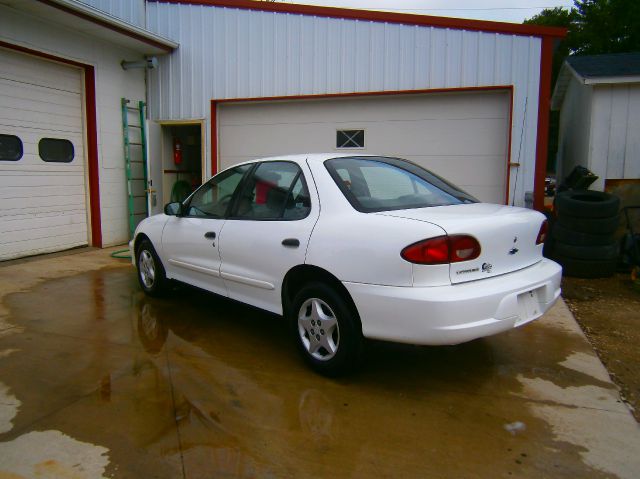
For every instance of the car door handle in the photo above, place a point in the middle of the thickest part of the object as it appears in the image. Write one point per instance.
(293, 242)
(210, 235)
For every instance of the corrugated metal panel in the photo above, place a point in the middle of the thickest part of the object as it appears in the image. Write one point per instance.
(131, 11)
(233, 53)
(614, 149)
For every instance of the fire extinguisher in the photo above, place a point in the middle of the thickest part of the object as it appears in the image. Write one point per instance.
(177, 151)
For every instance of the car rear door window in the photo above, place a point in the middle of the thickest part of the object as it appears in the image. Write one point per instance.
(275, 190)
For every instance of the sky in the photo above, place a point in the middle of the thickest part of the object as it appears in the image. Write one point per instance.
(498, 10)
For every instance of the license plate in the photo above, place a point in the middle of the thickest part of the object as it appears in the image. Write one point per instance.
(529, 306)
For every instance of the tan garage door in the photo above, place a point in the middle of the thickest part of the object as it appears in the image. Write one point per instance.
(42, 167)
(462, 136)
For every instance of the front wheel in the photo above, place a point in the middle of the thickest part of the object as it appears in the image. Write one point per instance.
(151, 275)
(327, 330)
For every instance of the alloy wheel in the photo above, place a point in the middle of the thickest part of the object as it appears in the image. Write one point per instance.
(318, 329)
(147, 268)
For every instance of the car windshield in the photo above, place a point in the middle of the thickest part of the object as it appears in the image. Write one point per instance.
(374, 184)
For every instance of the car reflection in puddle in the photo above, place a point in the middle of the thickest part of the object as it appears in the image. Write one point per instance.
(229, 419)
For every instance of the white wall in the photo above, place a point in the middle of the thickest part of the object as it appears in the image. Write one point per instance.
(112, 83)
(234, 53)
(615, 132)
(600, 130)
(575, 129)
(131, 11)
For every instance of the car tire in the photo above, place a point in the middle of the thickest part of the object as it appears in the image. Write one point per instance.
(590, 225)
(151, 274)
(327, 330)
(587, 204)
(567, 236)
(583, 268)
(609, 251)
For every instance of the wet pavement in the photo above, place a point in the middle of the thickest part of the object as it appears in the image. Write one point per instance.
(96, 380)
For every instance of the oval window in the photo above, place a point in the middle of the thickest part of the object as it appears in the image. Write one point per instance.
(10, 148)
(56, 150)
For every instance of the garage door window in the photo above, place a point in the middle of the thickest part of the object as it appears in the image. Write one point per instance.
(10, 148)
(56, 150)
(350, 139)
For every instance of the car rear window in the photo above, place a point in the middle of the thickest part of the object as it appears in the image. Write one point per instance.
(374, 184)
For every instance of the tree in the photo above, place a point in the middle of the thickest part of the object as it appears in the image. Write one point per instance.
(607, 26)
(558, 17)
(595, 26)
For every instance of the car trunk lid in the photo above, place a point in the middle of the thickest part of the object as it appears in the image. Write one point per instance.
(507, 237)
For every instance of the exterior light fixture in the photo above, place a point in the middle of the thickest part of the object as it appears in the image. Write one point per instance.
(149, 63)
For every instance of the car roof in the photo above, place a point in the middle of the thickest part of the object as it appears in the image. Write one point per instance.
(300, 157)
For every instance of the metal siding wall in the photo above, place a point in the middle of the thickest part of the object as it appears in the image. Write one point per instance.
(234, 53)
(131, 11)
(615, 138)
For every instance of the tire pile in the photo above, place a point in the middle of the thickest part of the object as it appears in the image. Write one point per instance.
(582, 238)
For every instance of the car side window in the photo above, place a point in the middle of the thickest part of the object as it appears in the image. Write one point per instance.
(298, 204)
(275, 190)
(213, 198)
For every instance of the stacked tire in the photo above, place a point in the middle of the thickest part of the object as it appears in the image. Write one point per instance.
(583, 234)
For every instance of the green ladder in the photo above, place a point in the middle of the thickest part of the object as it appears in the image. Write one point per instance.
(135, 157)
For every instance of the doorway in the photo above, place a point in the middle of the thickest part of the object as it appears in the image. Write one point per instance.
(182, 165)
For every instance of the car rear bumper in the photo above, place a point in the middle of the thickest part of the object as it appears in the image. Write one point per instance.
(457, 313)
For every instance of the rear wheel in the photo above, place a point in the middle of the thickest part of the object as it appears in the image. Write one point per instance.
(151, 274)
(326, 329)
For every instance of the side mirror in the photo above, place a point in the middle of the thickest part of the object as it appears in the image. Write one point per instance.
(173, 209)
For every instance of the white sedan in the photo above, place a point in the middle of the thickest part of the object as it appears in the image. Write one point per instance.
(352, 247)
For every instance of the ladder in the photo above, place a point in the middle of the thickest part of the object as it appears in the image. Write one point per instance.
(135, 157)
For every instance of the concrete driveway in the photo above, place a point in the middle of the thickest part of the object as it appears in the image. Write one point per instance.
(96, 380)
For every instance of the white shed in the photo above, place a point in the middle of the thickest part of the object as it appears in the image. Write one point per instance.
(599, 101)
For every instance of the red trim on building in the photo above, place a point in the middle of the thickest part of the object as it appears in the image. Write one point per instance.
(91, 134)
(92, 153)
(544, 105)
(366, 93)
(214, 137)
(108, 25)
(374, 16)
(36, 53)
(509, 142)
(215, 103)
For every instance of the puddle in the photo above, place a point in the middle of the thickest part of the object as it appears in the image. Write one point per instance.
(203, 385)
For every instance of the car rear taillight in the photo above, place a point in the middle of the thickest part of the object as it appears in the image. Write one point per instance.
(542, 234)
(442, 250)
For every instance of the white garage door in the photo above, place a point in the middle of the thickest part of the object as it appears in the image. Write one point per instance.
(461, 136)
(42, 171)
